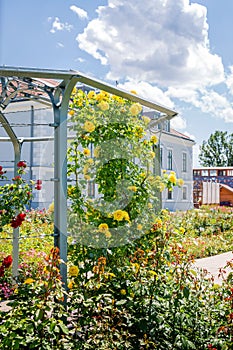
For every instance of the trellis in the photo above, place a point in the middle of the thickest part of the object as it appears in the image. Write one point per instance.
(53, 88)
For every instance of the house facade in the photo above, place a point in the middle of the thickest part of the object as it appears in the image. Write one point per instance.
(36, 120)
(176, 154)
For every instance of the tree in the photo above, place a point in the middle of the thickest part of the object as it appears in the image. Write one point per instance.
(217, 150)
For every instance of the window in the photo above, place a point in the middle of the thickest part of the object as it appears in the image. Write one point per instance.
(161, 157)
(91, 189)
(205, 173)
(169, 160)
(184, 193)
(169, 195)
(230, 172)
(184, 162)
(197, 172)
(213, 172)
(222, 173)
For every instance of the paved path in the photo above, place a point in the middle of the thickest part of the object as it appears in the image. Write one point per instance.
(213, 263)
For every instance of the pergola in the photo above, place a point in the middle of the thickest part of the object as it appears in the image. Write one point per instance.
(53, 88)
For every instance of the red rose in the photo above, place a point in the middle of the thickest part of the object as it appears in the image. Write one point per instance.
(16, 178)
(0, 167)
(1, 271)
(21, 164)
(38, 187)
(21, 216)
(15, 223)
(7, 261)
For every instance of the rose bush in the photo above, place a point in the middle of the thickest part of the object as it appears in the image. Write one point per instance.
(14, 197)
(111, 161)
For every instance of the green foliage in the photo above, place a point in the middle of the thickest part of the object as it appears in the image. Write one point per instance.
(37, 317)
(217, 150)
(143, 295)
(114, 152)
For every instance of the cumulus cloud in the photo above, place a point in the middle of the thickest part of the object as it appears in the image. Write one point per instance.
(146, 90)
(164, 42)
(179, 123)
(82, 14)
(229, 80)
(57, 25)
(207, 100)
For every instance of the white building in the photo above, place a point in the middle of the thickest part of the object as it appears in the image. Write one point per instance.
(175, 154)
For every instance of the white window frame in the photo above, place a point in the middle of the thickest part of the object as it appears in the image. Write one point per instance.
(169, 159)
(185, 191)
(184, 162)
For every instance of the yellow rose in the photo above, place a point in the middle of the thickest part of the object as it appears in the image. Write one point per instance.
(135, 109)
(91, 95)
(154, 139)
(71, 112)
(103, 227)
(152, 154)
(180, 182)
(149, 205)
(146, 119)
(172, 178)
(89, 126)
(139, 227)
(132, 188)
(123, 292)
(73, 271)
(103, 105)
(86, 152)
(108, 234)
(120, 215)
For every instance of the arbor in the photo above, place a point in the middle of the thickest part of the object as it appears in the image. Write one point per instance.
(217, 150)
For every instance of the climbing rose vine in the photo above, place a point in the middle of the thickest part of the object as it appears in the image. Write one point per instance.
(111, 162)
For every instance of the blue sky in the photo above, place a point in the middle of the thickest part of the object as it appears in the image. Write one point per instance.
(176, 52)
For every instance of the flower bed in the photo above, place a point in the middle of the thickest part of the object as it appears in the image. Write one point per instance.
(144, 295)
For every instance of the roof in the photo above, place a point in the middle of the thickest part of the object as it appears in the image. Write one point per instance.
(179, 134)
(214, 168)
(230, 189)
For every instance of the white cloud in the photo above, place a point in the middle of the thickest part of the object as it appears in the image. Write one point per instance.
(179, 123)
(60, 45)
(229, 80)
(82, 14)
(57, 25)
(163, 42)
(80, 59)
(148, 91)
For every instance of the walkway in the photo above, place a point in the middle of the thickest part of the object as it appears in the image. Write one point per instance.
(213, 263)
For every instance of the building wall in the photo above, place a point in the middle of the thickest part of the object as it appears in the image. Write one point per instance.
(39, 157)
(226, 196)
(182, 198)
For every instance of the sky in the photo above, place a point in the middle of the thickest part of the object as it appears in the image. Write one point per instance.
(177, 53)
